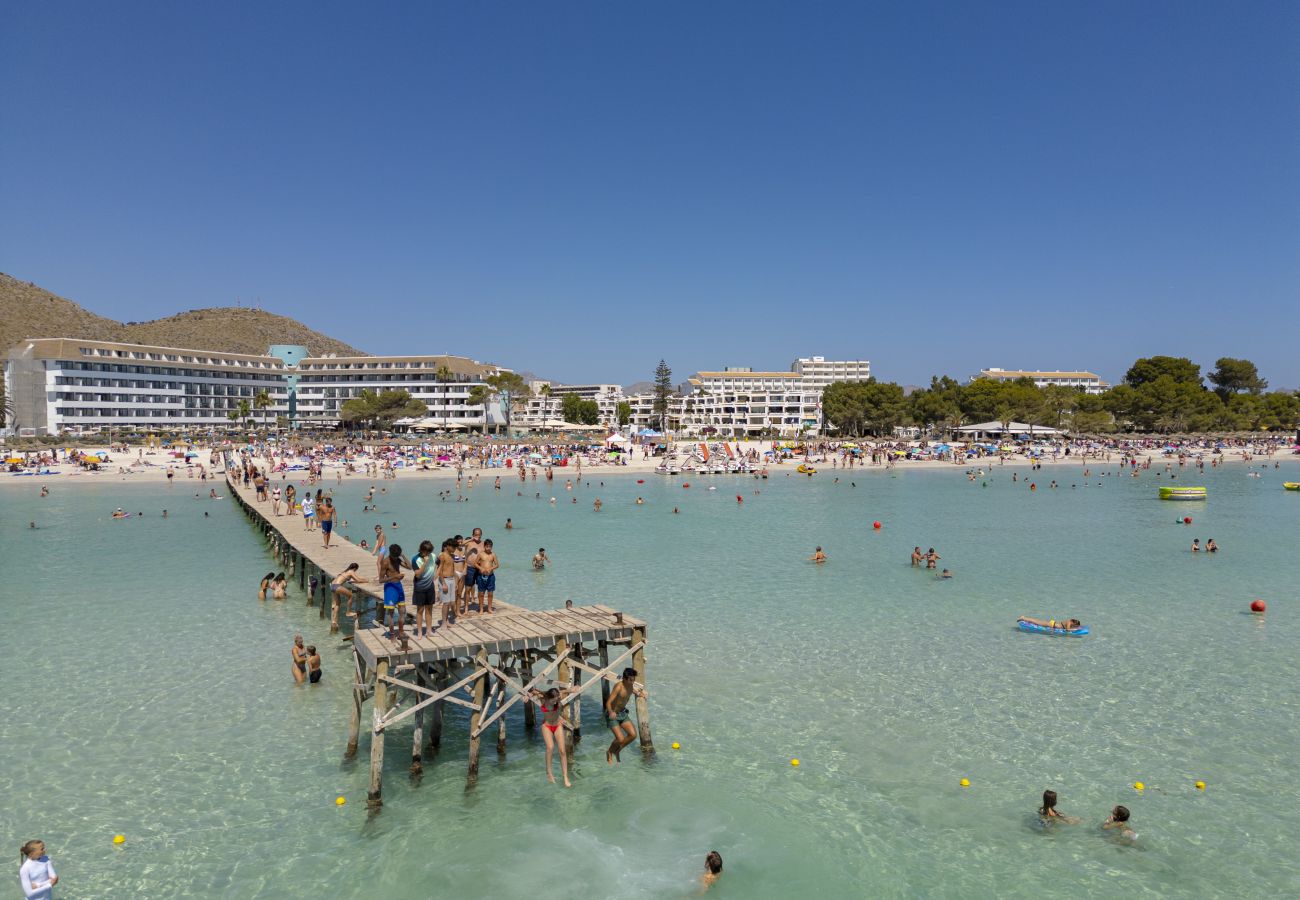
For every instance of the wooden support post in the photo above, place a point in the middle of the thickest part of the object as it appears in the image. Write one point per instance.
(480, 699)
(565, 676)
(358, 697)
(374, 799)
(525, 676)
(642, 707)
(417, 764)
(576, 709)
(501, 722)
(440, 682)
(604, 683)
(302, 574)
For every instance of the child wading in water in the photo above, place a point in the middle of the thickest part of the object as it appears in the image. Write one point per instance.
(1048, 813)
(1118, 819)
(37, 874)
(553, 719)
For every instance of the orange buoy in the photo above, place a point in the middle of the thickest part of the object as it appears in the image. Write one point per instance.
(1258, 606)
(686, 485)
(876, 525)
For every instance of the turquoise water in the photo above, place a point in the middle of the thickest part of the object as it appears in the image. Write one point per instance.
(149, 695)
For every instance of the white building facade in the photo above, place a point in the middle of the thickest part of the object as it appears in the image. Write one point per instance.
(1087, 381)
(58, 385)
(442, 383)
(544, 408)
(66, 385)
(818, 371)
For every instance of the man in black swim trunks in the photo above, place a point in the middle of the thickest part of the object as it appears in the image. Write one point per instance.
(325, 515)
(313, 665)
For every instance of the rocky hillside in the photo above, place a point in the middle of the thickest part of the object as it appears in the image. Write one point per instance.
(30, 311)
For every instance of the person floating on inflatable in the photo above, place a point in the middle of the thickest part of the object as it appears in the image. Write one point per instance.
(1069, 626)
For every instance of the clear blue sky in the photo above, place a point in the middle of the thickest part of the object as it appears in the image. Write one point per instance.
(580, 188)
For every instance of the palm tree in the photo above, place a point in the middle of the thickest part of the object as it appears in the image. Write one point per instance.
(443, 374)
(10, 413)
(245, 411)
(546, 403)
(262, 401)
(479, 395)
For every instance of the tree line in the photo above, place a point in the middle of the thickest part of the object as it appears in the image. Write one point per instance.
(1160, 394)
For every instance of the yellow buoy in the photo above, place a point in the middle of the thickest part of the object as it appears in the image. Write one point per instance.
(965, 782)
(119, 839)
(1139, 786)
(340, 801)
(676, 746)
(1200, 785)
(795, 763)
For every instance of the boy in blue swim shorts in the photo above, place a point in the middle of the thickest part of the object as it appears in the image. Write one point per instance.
(487, 578)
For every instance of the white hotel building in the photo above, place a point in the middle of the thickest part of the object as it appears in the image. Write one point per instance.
(1087, 381)
(59, 385)
(741, 403)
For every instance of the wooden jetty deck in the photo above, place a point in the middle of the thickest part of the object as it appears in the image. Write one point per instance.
(487, 663)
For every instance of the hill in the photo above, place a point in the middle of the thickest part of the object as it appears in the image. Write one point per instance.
(30, 311)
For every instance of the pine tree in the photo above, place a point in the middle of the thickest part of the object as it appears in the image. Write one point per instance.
(663, 390)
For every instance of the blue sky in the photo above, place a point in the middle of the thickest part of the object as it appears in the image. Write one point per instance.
(581, 188)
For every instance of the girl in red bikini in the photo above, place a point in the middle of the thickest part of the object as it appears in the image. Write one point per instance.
(553, 719)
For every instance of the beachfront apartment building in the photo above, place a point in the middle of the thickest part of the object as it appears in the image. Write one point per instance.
(57, 385)
(68, 385)
(818, 371)
(442, 383)
(543, 408)
(1087, 381)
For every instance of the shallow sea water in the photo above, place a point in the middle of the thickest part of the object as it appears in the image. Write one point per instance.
(149, 694)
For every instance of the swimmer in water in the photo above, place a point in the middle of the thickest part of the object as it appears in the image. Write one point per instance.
(818, 556)
(946, 573)
(1211, 547)
(1118, 820)
(541, 559)
(917, 556)
(712, 869)
(1048, 813)
(265, 585)
(1196, 545)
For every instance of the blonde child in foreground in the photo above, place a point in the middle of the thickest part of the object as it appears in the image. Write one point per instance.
(37, 874)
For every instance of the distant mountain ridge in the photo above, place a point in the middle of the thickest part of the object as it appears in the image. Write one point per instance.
(29, 311)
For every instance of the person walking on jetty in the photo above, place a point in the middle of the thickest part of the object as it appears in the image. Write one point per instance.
(616, 716)
(308, 511)
(390, 574)
(325, 514)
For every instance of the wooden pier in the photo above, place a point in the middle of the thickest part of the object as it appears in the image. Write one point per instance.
(487, 664)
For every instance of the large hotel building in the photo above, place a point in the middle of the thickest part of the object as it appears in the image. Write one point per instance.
(67, 385)
(58, 385)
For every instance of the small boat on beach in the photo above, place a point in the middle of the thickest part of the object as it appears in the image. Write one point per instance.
(805, 469)
(1183, 493)
(670, 466)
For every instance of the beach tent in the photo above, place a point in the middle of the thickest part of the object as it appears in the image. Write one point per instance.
(649, 432)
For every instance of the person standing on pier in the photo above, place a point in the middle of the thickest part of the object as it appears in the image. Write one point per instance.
(390, 573)
(616, 716)
(425, 587)
(487, 578)
(446, 576)
(325, 515)
(472, 548)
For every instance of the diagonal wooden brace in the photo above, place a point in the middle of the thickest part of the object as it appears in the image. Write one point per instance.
(606, 673)
(521, 693)
(430, 696)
